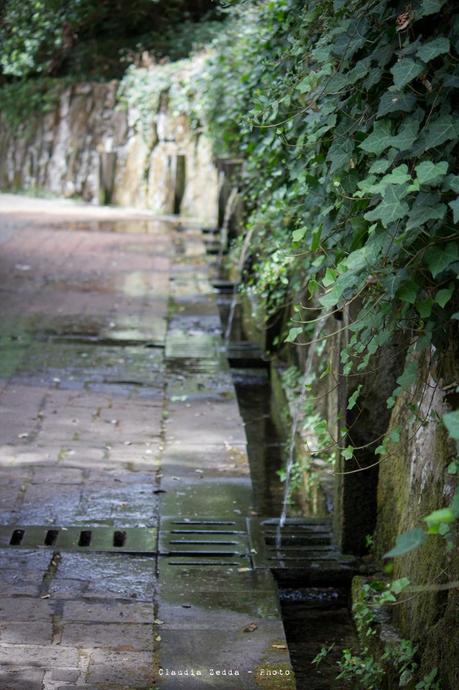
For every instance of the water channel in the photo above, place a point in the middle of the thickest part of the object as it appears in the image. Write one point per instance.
(314, 617)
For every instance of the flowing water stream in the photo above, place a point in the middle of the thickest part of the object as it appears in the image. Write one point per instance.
(224, 231)
(240, 267)
(297, 416)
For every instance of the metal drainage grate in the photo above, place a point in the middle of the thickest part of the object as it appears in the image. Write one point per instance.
(301, 544)
(244, 354)
(250, 543)
(204, 542)
(130, 540)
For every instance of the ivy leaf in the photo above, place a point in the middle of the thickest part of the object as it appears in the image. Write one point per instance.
(340, 153)
(438, 259)
(443, 296)
(407, 134)
(332, 297)
(431, 50)
(406, 542)
(424, 307)
(405, 70)
(293, 334)
(397, 586)
(430, 7)
(426, 207)
(315, 240)
(392, 207)
(408, 292)
(406, 677)
(380, 138)
(408, 377)
(444, 516)
(398, 175)
(451, 421)
(313, 286)
(393, 101)
(298, 234)
(344, 282)
(348, 453)
(431, 173)
(454, 205)
(395, 436)
(329, 277)
(452, 181)
(354, 397)
(380, 166)
(440, 130)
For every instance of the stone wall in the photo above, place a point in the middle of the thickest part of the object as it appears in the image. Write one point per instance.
(383, 500)
(413, 482)
(89, 147)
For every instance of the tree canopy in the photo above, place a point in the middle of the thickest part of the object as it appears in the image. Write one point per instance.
(88, 38)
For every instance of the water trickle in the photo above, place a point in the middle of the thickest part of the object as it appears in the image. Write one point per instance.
(240, 268)
(224, 231)
(296, 418)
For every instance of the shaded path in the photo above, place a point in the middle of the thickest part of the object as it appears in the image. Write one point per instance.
(116, 406)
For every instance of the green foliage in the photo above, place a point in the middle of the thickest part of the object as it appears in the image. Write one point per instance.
(366, 669)
(349, 136)
(23, 100)
(451, 421)
(312, 428)
(406, 542)
(87, 38)
(439, 522)
(344, 114)
(348, 131)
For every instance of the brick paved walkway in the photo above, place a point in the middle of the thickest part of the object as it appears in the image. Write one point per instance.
(115, 407)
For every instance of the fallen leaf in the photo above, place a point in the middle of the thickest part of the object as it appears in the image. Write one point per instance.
(250, 628)
(403, 20)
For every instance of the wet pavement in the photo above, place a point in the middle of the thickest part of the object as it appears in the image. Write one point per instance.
(117, 409)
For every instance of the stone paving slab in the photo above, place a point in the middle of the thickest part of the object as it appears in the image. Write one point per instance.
(117, 405)
(81, 402)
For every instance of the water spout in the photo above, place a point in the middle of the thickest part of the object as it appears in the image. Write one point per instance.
(240, 268)
(224, 231)
(296, 418)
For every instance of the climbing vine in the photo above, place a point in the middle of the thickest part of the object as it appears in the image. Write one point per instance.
(344, 112)
(345, 115)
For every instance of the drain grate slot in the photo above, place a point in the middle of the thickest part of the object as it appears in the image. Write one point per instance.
(17, 537)
(198, 542)
(203, 522)
(51, 537)
(85, 538)
(202, 531)
(205, 564)
(119, 539)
